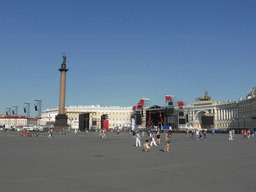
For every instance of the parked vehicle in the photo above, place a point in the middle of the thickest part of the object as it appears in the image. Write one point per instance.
(19, 128)
(30, 128)
(75, 124)
(38, 128)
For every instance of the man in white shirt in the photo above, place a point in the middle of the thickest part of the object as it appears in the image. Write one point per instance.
(138, 143)
(197, 134)
(230, 135)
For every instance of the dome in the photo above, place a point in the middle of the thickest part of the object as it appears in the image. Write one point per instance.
(252, 92)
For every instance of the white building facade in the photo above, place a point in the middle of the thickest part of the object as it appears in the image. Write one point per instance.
(231, 114)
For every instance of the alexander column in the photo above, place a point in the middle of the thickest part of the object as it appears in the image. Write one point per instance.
(61, 118)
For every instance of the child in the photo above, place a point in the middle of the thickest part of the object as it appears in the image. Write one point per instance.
(146, 146)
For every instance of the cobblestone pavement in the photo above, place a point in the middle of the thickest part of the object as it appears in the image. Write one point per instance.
(84, 162)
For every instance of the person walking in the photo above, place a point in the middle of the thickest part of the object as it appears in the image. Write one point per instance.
(201, 134)
(233, 133)
(49, 134)
(230, 135)
(248, 134)
(167, 141)
(158, 137)
(138, 143)
(205, 133)
(146, 146)
(253, 133)
(133, 134)
(192, 133)
(142, 134)
(197, 134)
(152, 139)
(104, 133)
(65, 131)
(245, 133)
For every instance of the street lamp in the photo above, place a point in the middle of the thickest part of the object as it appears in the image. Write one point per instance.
(27, 110)
(233, 123)
(244, 122)
(8, 113)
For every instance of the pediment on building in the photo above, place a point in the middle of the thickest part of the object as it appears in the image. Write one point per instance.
(198, 103)
(155, 107)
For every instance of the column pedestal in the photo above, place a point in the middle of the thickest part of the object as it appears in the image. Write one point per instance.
(61, 122)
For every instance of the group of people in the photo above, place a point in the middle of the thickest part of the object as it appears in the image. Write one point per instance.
(199, 134)
(103, 133)
(248, 133)
(50, 133)
(151, 141)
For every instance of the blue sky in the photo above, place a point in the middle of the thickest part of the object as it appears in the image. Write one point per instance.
(121, 51)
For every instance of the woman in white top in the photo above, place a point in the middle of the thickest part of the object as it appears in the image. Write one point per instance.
(152, 139)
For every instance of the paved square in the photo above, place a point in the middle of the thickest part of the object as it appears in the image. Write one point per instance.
(84, 162)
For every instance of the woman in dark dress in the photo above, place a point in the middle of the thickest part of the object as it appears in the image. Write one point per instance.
(158, 137)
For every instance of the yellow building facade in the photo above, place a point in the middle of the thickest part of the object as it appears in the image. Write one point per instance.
(117, 116)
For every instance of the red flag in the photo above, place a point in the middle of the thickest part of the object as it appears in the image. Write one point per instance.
(140, 104)
(149, 116)
(167, 98)
(180, 103)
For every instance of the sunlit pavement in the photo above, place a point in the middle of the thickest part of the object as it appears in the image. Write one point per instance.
(84, 162)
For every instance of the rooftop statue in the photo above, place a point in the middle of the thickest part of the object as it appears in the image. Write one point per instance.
(64, 58)
(205, 98)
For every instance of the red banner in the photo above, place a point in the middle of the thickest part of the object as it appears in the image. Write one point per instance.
(161, 117)
(105, 124)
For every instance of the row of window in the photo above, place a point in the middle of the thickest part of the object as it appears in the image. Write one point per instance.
(116, 125)
(248, 108)
(113, 118)
(105, 113)
(113, 113)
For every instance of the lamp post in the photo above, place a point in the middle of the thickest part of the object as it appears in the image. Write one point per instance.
(233, 123)
(244, 122)
(8, 113)
(15, 112)
(27, 110)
